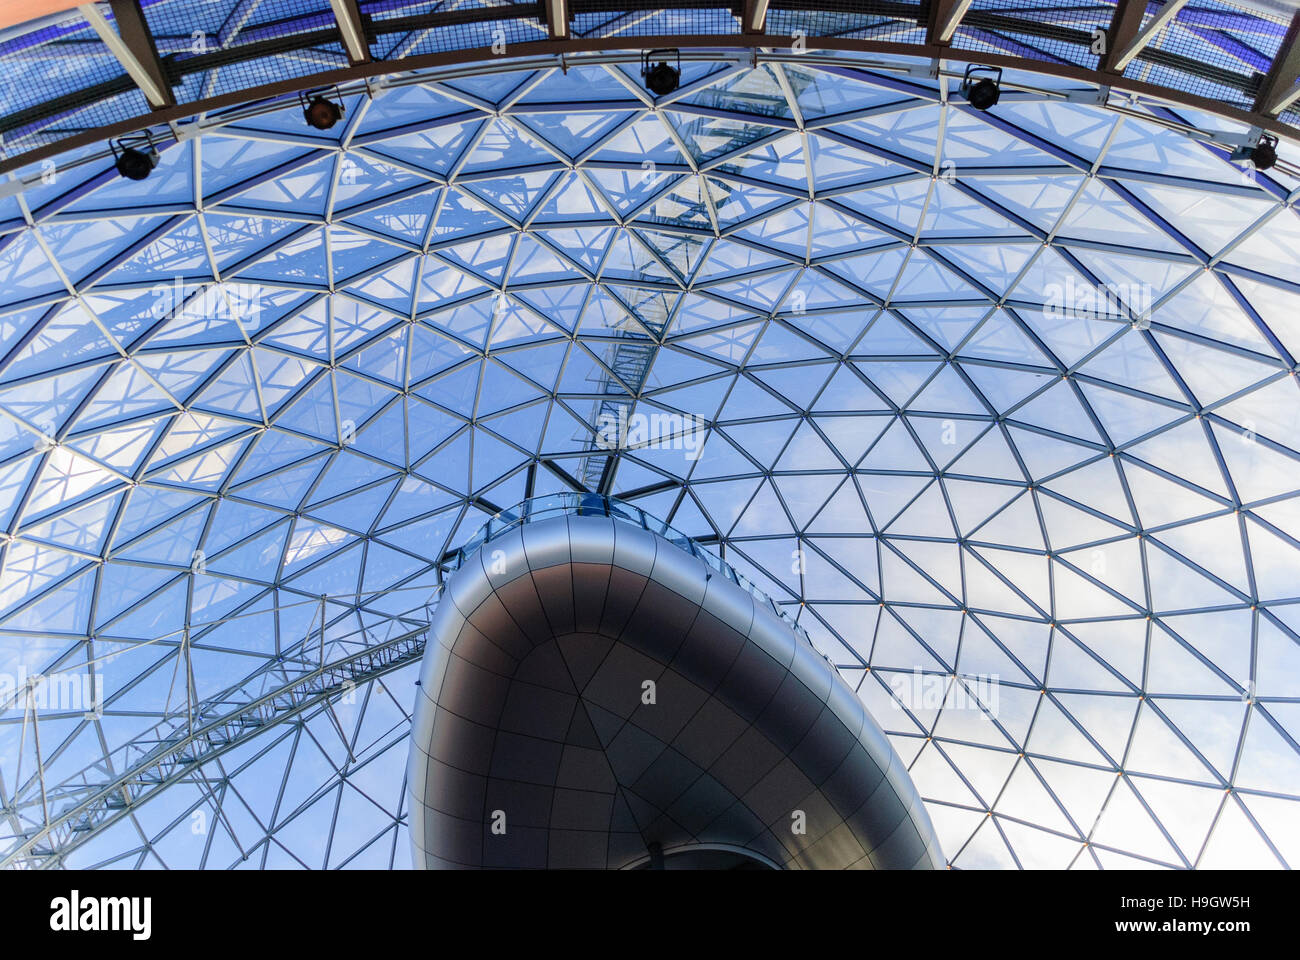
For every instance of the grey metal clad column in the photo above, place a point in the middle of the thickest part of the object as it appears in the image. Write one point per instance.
(595, 696)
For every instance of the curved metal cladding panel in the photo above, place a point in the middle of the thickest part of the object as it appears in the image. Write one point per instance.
(534, 746)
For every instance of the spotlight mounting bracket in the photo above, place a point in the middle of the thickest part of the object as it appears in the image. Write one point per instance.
(1262, 153)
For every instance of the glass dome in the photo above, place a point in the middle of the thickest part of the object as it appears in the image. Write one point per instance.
(1001, 407)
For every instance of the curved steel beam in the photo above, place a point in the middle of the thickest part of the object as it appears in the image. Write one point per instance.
(945, 17)
(556, 52)
(351, 27)
(1281, 87)
(1131, 48)
(133, 47)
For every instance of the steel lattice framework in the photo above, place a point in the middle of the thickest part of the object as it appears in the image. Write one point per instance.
(1005, 395)
(86, 72)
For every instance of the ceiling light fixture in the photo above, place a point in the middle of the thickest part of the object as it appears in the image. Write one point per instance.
(319, 111)
(135, 156)
(1263, 154)
(982, 92)
(662, 78)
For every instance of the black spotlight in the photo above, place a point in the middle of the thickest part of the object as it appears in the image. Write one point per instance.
(661, 78)
(319, 111)
(134, 157)
(1264, 154)
(982, 92)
